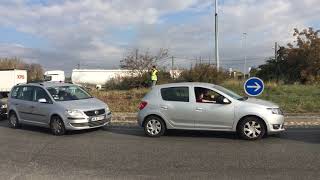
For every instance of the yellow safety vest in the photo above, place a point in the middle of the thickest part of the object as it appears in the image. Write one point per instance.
(154, 75)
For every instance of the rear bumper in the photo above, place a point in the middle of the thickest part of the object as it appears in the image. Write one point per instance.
(87, 123)
(141, 116)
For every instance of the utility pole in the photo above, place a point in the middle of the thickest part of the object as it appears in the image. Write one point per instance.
(275, 50)
(137, 54)
(172, 63)
(78, 65)
(276, 60)
(245, 55)
(216, 35)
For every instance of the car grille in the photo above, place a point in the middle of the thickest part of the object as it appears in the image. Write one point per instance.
(93, 113)
(97, 123)
(90, 124)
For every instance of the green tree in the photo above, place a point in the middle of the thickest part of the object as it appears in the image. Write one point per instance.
(298, 62)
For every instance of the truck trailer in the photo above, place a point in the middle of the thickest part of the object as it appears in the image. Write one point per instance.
(8, 79)
(97, 77)
(54, 76)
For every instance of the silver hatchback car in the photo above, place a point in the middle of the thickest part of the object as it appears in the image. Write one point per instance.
(203, 106)
(59, 106)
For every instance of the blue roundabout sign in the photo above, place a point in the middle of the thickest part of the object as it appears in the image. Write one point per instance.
(253, 86)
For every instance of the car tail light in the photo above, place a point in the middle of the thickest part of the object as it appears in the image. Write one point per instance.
(142, 105)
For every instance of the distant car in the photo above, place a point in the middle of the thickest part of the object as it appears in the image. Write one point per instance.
(3, 106)
(59, 106)
(203, 106)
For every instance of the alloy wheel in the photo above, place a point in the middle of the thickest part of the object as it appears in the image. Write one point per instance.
(13, 120)
(154, 127)
(57, 126)
(252, 129)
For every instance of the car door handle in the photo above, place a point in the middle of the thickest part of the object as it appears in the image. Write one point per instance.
(16, 104)
(164, 107)
(199, 109)
(32, 107)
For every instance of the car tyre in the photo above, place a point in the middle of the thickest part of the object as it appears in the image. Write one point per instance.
(14, 121)
(154, 126)
(57, 126)
(251, 128)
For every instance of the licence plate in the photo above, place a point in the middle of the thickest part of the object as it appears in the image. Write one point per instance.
(99, 118)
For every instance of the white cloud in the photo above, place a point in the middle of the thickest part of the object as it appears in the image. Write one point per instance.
(83, 30)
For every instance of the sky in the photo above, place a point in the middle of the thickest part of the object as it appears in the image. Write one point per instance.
(60, 34)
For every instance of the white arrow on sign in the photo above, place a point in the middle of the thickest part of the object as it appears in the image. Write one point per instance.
(257, 86)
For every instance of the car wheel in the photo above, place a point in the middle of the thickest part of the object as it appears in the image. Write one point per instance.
(57, 126)
(154, 126)
(14, 121)
(251, 128)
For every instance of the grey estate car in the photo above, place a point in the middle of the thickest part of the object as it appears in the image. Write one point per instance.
(59, 106)
(203, 106)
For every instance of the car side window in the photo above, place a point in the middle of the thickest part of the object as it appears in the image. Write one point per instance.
(14, 92)
(25, 93)
(175, 94)
(40, 93)
(204, 95)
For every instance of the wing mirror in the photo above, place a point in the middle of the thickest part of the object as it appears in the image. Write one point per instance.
(226, 101)
(222, 100)
(42, 100)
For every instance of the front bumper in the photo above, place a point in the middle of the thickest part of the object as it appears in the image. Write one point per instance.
(87, 122)
(275, 124)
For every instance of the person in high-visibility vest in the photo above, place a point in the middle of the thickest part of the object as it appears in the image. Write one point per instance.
(154, 76)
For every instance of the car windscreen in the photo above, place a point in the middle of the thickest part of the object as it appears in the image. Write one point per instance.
(68, 93)
(229, 93)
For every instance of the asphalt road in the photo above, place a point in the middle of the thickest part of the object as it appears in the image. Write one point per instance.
(125, 153)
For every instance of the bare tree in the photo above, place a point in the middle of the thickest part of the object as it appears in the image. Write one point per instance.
(12, 63)
(35, 71)
(139, 63)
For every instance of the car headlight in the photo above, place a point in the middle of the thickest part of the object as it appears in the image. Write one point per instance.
(276, 111)
(3, 106)
(74, 113)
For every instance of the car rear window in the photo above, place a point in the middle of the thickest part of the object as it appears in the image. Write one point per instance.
(175, 94)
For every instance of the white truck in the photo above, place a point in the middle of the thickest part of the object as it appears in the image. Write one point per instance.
(97, 77)
(8, 79)
(54, 76)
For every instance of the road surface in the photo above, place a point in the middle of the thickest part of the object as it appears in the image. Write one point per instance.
(125, 153)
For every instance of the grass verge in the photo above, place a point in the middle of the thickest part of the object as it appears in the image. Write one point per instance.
(291, 98)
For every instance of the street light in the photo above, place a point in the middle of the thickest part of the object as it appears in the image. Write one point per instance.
(245, 55)
(216, 36)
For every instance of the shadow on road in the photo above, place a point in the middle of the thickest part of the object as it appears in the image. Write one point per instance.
(4, 123)
(201, 134)
(174, 133)
(308, 135)
(302, 134)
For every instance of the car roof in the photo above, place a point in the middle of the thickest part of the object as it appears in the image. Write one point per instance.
(185, 84)
(48, 84)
